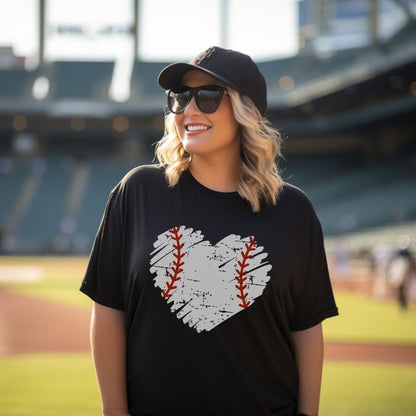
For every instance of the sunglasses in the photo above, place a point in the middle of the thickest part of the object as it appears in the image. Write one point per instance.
(207, 98)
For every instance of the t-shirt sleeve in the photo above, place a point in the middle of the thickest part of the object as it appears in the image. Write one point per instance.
(102, 280)
(315, 300)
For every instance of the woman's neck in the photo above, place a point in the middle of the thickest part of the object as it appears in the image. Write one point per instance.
(221, 176)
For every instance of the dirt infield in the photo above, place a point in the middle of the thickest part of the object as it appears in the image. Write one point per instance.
(31, 325)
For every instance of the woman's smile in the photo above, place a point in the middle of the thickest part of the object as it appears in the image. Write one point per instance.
(193, 129)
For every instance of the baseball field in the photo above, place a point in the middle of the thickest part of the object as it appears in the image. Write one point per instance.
(46, 369)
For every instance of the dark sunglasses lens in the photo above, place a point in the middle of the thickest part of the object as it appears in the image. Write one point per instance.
(178, 100)
(208, 100)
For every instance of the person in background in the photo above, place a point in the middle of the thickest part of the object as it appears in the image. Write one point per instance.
(401, 272)
(208, 272)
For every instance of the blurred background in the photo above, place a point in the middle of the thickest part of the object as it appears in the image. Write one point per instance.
(80, 107)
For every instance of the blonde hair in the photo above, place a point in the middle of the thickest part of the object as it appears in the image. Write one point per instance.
(260, 182)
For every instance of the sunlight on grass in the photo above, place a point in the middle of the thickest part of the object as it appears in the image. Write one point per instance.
(65, 385)
(48, 385)
(350, 389)
(363, 319)
(62, 277)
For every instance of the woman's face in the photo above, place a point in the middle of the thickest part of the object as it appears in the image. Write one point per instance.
(207, 135)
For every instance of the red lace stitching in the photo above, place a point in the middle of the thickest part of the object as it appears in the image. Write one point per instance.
(177, 263)
(241, 278)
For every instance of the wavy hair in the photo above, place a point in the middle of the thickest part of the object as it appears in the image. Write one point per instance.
(260, 182)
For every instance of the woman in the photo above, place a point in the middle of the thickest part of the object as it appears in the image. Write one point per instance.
(208, 273)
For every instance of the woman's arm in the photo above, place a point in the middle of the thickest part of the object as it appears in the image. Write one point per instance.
(108, 342)
(309, 348)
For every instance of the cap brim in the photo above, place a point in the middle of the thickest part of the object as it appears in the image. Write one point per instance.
(171, 76)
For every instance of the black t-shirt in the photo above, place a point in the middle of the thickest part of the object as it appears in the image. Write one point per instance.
(211, 292)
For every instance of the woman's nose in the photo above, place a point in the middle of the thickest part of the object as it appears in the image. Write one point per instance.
(192, 107)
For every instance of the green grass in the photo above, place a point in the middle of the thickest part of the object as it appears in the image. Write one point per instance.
(368, 389)
(48, 385)
(363, 319)
(62, 277)
(65, 385)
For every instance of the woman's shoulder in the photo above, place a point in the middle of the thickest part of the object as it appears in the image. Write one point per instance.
(140, 178)
(295, 199)
(292, 192)
(144, 174)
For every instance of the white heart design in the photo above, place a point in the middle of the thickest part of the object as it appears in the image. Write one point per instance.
(207, 284)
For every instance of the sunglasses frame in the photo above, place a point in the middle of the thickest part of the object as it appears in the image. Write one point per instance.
(194, 93)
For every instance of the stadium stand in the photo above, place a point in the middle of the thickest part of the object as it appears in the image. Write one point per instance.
(16, 83)
(359, 242)
(13, 174)
(105, 174)
(54, 202)
(41, 221)
(143, 79)
(80, 79)
(348, 119)
(350, 193)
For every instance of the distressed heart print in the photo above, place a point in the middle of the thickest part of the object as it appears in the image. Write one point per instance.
(206, 284)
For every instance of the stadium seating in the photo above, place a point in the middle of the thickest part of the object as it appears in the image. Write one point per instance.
(52, 201)
(13, 174)
(105, 174)
(303, 68)
(405, 37)
(41, 222)
(348, 192)
(16, 83)
(81, 79)
(143, 80)
(35, 207)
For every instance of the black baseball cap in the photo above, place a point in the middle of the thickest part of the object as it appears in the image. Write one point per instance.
(234, 68)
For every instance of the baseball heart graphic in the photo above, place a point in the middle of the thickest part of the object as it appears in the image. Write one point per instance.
(206, 284)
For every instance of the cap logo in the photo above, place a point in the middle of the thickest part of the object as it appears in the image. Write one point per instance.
(204, 55)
